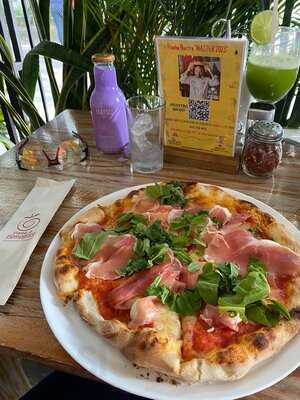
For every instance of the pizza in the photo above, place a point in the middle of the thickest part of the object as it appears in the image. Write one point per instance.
(185, 279)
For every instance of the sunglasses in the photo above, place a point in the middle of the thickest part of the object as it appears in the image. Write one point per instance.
(55, 149)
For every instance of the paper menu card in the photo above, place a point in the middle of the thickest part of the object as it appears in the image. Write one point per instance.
(200, 79)
(21, 233)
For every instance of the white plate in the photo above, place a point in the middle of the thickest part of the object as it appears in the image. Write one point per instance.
(97, 356)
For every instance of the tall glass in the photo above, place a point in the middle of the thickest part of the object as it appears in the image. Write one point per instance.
(272, 68)
(146, 130)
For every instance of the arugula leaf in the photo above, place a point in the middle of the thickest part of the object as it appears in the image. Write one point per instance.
(145, 256)
(156, 233)
(161, 291)
(127, 222)
(254, 264)
(229, 273)
(232, 304)
(190, 224)
(252, 288)
(267, 313)
(182, 255)
(134, 265)
(254, 231)
(154, 191)
(179, 241)
(275, 306)
(182, 222)
(260, 314)
(142, 247)
(167, 193)
(157, 253)
(90, 244)
(208, 284)
(217, 221)
(185, 303)
(194, 266)
(199, 242)
(139, 230)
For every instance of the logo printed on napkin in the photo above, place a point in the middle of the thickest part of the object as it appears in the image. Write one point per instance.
(26, 228)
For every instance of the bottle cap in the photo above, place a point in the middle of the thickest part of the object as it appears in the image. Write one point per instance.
(103, 58)
(269, 132)
(259, 111)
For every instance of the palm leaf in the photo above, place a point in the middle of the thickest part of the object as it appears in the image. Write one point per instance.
(44, 34)
(5, 52)
(23, 96)
(30, 73)
(61, 53)
(44, 9)
(20, 124)
(99, 42)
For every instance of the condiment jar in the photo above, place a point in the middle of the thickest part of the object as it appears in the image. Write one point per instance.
(263, 149)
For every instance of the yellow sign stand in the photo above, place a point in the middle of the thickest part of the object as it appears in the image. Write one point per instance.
(200, 79)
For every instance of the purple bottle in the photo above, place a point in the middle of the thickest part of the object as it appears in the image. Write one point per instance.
(108, 106)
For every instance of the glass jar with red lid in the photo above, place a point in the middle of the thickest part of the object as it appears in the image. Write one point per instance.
(263, 149)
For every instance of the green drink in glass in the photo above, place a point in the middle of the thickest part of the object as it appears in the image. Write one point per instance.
(272, 68)
(269, 79)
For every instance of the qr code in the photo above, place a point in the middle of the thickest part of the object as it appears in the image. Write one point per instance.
(199, 109)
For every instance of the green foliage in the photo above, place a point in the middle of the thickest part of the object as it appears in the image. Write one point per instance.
(220, 285)
(187, 302)
(267, 313)
(90, 244)
(167, 193)
(208, 284)
(251, 289)
(126, 28)
(10, 81)
(3, 133)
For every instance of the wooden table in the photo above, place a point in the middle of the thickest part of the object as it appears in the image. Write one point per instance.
(23, 328)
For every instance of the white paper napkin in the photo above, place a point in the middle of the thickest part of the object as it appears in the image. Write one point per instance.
(20, 235)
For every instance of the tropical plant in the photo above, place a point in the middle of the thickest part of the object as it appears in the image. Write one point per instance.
(10, 82)
(126, 28)
(5, 142)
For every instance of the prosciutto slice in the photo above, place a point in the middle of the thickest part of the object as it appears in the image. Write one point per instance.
(113, 255)
(222, 214)
(171, 276)
(144, 203)
(213, 318)
(80, 229)
(191, 278)
(138, 285)
(164, 213)
(237, 221)
(144, 311)
(174, 213)
(239, 245)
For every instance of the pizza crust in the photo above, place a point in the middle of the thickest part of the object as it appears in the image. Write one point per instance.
(236, 360)
(113, 330)
(160, 351)
(149, 348)
(65, 271)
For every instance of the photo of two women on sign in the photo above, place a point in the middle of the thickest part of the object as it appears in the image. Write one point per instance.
(199, 80)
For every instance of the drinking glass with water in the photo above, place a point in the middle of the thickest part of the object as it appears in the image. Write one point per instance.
(146, 130)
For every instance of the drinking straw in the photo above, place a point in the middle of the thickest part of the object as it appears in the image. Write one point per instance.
(274, 19)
